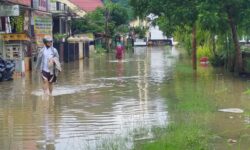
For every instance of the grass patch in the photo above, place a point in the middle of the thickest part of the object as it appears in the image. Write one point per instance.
(184, 69)
(189, 92)
(190, 108)
(180, 137)
(193, 100)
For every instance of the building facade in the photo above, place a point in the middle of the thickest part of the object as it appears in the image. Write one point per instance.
(23, 25)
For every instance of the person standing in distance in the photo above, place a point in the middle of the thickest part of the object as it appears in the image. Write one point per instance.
(48, 64)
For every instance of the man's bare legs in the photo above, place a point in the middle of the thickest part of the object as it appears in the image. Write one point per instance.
(50, 88)
(46, 87)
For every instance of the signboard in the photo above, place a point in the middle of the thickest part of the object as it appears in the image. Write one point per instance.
(40, 4)
(22, 2)
(43, 5)
(9, 10)
(42, 26)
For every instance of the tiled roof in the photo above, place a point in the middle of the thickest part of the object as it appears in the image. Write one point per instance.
(88, 5)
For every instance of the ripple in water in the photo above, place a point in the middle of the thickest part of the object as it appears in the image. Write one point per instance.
(65, 90)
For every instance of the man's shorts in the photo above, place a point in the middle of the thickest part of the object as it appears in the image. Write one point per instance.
(47, 76)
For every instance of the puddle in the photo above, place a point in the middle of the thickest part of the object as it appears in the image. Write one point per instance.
(232, 110)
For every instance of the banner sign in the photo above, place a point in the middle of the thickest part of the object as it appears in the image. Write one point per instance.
(9, 10)
(42, 26)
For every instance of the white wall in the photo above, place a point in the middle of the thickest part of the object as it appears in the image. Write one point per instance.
(156, 33)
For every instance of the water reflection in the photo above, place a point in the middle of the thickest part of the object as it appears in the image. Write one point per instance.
(95, 102)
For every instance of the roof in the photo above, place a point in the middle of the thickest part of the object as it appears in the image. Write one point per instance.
(22, 2)
(73, 7)
(88, 5)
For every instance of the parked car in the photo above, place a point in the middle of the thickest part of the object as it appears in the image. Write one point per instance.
(140, 42)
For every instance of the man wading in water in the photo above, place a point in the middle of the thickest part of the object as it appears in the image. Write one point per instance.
(48, 64)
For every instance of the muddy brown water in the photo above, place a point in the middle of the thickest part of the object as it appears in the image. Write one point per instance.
(101, 100)
(95, 101)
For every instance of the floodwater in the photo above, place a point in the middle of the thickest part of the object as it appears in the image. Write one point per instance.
(102, 103)
(95, 102)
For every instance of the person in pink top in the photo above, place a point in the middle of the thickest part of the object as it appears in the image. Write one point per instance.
(119, 51)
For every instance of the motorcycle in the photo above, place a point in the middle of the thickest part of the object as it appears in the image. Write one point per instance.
(7, 68)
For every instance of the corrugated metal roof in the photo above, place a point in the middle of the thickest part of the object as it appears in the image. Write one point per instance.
(88, 5)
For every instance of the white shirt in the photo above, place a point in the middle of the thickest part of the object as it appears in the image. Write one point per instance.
(47, 55)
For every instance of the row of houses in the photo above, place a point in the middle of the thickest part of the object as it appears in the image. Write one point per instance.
(24, 23)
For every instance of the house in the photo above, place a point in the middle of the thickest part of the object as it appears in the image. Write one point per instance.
(88, 5)
(74, 8)
(24, 23)
(154, 36)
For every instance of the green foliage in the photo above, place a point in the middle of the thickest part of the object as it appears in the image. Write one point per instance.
(91, 23)
(95, 21)
(140, 31)
(179, 137)
(166, 26)
(184, 37)
(140, 7)
(122, 29)
(218, 18)
(58, 37)
(99, 49)
(119, 15)
(17, 23)
(125, 4)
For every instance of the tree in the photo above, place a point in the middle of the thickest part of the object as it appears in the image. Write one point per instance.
(108, 20)
(119, 15)
(91, 23)
(125, 4)
(236, 11)
(98, 21)
(178, 13)
(212, 15)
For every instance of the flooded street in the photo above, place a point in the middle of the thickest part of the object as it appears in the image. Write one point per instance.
(94, 102)
(106, 104)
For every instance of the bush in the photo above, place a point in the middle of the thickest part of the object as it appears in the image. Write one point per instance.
(141, 32)
(217, 61)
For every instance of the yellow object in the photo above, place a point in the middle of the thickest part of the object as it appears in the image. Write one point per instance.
(15, 37)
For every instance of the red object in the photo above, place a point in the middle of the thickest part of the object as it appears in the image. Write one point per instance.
(204, 59)
(119, 52)
(21, 2)
(88, 5)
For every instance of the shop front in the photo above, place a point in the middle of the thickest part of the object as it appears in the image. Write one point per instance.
(23, 25)
(14, 38)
